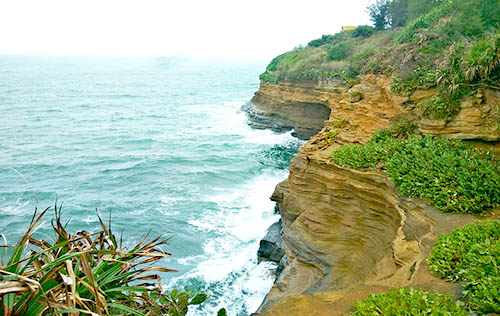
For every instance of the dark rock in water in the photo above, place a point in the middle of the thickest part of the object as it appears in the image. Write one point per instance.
(270, 245)
(276, 209)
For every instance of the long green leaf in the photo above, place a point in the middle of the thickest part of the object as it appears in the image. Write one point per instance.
(128, 288)
(72, 310)
(127, 309)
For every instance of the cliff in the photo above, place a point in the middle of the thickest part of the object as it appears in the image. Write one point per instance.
(369, 105)
(346, 232)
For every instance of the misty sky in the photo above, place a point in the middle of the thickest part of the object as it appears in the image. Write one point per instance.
(250, 29)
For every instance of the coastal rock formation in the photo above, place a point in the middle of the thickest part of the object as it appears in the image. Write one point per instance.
(348, 233)
(479, 118)
(268, 109)
(270, 248)
(304, 106)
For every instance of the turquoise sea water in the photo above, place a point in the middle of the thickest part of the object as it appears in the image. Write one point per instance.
(159, 142)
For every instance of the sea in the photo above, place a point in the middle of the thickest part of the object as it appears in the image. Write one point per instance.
(160, 144)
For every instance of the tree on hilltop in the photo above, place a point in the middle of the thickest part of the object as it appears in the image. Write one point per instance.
(379, 14)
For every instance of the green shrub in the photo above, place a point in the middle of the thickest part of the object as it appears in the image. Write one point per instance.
(360, 59)
(363, 31)
(435, 108)
(340, 51)
(273, 65)
(322, 41)
(408, 302)
(268, 77)
(471, 254)
(331, 136)
(424, 21)
(350, 81)
(450, 256)
(331, 39)
(340, 123)
(483, 58)
(476, 64)
(453, 176)
(455, 46)
(403, 125)
(355, 96)
(421, 78)
(317, 42)
(483, 294)
(418, 8)
(472, 19)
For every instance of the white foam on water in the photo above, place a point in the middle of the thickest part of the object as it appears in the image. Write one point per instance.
(168, 205)
(138, 212)
(18, 209)
(189, 260)
(90, 219)
(258, 284)
(244, 213)
(230, 119)
(228, 267)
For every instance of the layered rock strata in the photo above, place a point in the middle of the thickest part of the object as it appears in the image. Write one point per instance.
(268, 109)
(346, 232)
(368, 105)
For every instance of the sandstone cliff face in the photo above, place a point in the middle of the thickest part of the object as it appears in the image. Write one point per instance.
(369, 105)
(348, 233)
(282, 108)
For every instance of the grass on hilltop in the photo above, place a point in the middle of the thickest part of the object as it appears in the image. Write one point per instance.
(454, 47)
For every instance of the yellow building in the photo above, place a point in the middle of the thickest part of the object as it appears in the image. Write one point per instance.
(348, 28)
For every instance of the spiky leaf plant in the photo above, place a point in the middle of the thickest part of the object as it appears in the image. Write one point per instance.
(87, 274)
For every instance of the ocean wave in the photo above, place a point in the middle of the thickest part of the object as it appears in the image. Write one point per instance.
(129, 137)
(228, 268)
(19, 209)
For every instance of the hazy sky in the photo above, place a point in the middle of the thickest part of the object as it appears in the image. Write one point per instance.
(255, 29)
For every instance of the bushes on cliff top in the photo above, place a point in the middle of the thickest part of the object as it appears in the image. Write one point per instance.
(451, 175)
(87, 274)
(407, 302)
(363, 31)
(459, 40)
(455, 46)
(472, 64)
(471, 255)
(340, 51)
(438, 108)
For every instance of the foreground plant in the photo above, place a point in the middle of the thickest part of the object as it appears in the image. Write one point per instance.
(408, 302)
(471, 255)
(87, 274)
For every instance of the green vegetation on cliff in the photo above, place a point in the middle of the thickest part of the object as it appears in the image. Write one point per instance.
(450, 174)
(340, 56)
(471, 255)
(453, 45)
(407, 302)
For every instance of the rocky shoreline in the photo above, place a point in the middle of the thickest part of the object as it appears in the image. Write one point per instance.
(346, 233)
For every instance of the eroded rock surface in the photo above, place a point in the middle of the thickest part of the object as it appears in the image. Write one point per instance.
(304, 106)
(348, 233)
(268, 109)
